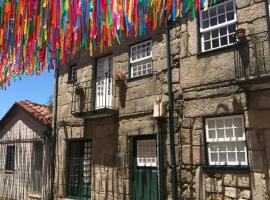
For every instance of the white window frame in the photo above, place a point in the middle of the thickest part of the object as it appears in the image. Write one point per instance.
(221, 141)
(217, 27)
(135, 61)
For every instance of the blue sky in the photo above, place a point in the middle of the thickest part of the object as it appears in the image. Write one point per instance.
(34, 88)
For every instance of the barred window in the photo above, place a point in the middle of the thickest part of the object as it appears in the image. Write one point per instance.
(10, 157)
(141, 59)
(218, 26)
(226, 140)
(146, 153)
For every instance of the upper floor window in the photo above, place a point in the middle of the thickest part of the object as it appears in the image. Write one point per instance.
(218, 26)
(10, 157)
(72, 75)
(226, 140)
(141, 59)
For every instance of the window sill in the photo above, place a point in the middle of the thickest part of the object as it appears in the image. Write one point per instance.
(139, 77)
(242, 168)
(9, 171)
(219, 50)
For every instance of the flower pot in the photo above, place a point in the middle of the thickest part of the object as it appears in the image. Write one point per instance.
(120, 76)
(240, 33)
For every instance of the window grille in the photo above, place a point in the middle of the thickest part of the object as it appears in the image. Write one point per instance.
(146, 153)
(80, 169)
(10, 157)
(141, 59)
(226, 140)
(218, 26)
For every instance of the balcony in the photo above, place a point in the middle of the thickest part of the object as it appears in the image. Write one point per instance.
(252, 61)
(93, 99)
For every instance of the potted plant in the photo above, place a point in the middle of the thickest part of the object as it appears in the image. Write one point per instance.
(120, 77)
(240, 33)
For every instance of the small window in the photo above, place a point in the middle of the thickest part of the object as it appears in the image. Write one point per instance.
(10, 157)
(141, 59)
(146, 153)
(226, 140)
(72, 76)
(218, 26)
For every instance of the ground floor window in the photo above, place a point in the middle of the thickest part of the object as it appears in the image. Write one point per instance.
(10, 157)
(226, 140)
(79, 177)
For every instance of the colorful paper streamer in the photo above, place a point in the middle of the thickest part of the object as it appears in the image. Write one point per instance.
(36, 35)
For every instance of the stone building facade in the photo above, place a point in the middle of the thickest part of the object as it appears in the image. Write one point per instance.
(221, 111)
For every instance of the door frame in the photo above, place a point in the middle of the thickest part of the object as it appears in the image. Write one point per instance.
(134, 157)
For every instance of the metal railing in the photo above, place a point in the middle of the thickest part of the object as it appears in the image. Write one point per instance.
(92, 95)
(252, 56)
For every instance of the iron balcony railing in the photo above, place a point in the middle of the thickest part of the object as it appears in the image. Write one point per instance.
(91, 96)
(252, 56)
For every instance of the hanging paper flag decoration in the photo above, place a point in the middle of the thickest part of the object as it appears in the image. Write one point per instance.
(36, 35)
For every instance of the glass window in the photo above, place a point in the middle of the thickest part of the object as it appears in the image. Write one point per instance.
(226, 141)
(141, 59)
(218, 26)
(72, 76)
(146, 153)
(10, 157)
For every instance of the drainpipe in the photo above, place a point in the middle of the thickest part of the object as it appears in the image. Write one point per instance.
(54, 132)
(161, 158)
(171, 107)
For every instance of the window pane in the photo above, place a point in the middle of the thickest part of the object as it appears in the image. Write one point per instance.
(211, 124)
(222, 157)
(223, 31)
(214, 157)
(220, 123)
(237, 122)
(213, 21)
(230, 16)
(221, 19)
(206, 36)
(238, 132)
(229, 133)
(205, 24)
(205, 14)
(213, 12)
(212, 134)
(241, 157)
(207, 45)
(224, 41)
(231, 157)
(229, 6)
(221, 9)
(228, 122)
(220, 133)
(215, 33)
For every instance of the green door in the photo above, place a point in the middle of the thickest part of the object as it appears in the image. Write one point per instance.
(145, 178)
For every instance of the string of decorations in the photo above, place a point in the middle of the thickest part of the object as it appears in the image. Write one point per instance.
(36, 35)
